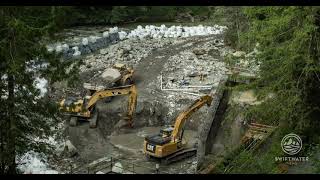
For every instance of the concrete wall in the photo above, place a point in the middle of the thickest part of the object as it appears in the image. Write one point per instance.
(204, 128)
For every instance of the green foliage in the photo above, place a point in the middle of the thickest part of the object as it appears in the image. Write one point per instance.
(111, 15)
(289, 83)
(261, 161)
(25, 116)
(236, 21)
(289, 38)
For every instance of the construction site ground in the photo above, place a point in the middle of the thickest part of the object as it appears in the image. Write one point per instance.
(152, 112)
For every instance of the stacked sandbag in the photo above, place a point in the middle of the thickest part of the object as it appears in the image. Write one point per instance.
(113, 35)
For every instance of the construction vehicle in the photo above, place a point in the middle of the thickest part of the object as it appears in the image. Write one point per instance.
(117, 75)
(84, 109)
(168, 145)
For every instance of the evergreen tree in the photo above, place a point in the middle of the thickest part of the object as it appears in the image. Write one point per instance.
(25, 114)
(289, 38)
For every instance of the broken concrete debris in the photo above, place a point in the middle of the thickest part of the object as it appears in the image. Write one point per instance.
(239, 54)
(117, 168)
(66, 149)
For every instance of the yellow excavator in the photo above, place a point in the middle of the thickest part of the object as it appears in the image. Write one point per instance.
(168, 145)
(84, 109)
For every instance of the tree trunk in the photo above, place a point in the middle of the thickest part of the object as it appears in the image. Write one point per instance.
(2, 153)
(238, 28)
(12, 127)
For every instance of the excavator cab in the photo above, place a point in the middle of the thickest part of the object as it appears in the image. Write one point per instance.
(166, 132)
(71, 104)
(120, 66)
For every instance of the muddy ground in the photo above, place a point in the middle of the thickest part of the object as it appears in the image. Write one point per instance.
(155, 107)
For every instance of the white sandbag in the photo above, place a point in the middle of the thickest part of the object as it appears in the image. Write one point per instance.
(85, 41)
(65, 47)
(105, 34)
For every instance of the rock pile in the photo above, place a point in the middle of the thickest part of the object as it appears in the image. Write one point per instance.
(93, 43)
(246, 63)
(128, 52)
(198, 67)
(190, 74)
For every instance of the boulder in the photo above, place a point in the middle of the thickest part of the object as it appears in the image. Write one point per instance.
(66, 149)
(58, 48)
(114, 37)
(84, 50)
(239, 54)
(76, 53)
(65, 47)
(117, 168)
(110, 74)
(199, 51)
(103, 51)
(107, 40)
(123, 53)
(193, 74)
(105, 34)
(93, 46)
(85, 41)
(70, 149)
(68, 54)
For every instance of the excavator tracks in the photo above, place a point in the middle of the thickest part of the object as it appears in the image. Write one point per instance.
(183, 154)
(93, 120)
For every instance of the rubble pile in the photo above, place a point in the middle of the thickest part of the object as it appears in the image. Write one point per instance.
(247, 63)
(128, 52)
(192, 73)
(186, 68)
(181, 83)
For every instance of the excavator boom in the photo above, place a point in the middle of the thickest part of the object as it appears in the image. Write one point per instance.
(118, 91)
(85, 109)
(181, 119)
(168, 143)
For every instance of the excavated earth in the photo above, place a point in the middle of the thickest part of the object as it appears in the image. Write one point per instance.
(156, 107)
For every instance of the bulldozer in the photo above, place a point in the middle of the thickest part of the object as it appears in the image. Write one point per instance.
(84, 109)
(168, 145)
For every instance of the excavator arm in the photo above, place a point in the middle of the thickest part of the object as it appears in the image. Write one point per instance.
(132, 103)
(181, 119)
(118, 91)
